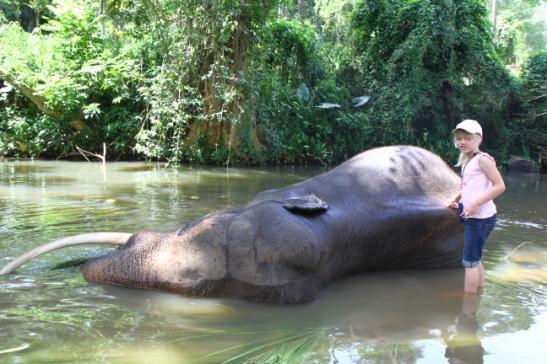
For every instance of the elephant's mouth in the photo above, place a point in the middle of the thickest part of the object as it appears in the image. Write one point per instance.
(118, 267)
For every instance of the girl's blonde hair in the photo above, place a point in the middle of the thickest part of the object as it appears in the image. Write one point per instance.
(464, 158)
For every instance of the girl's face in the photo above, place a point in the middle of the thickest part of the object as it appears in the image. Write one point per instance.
(466, 142)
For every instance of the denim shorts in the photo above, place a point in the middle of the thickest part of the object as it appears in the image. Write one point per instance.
(476, 231)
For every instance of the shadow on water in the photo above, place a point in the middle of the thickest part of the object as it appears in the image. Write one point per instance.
(141, 167)
(25, 168)
(406, 317)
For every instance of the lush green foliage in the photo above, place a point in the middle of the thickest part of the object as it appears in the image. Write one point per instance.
(427, 65)
(519, 29)
(257, 81)
(529, 127)
(195, 84)
(81, 77)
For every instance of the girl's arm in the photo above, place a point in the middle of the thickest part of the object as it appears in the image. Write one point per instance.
(488, 166)
(454, 203)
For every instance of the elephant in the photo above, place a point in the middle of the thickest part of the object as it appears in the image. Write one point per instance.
(384, 209)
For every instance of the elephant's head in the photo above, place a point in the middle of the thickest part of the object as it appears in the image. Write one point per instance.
(264, 252)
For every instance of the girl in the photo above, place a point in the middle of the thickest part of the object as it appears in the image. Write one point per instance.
(481, 183)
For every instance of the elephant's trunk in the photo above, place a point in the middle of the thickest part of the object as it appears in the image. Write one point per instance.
(92, 238)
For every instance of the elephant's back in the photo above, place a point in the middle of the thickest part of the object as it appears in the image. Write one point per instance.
(389, 172)
(385, 172)
(411, 169)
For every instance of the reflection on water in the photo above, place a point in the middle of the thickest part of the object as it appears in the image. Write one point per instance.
(462, 342)
(401, 317)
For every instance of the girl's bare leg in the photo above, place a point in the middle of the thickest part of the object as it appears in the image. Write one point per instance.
(472, 279)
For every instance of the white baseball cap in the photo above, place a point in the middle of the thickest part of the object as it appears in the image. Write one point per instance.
(470, 126)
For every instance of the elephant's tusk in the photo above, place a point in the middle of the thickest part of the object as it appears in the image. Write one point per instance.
(92, 238)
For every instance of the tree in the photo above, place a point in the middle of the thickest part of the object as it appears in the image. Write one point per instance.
(29, 14)
(519, 29)
(223, 72)
(529, 127)
(203, 50)
(73, 79)
(427, 65)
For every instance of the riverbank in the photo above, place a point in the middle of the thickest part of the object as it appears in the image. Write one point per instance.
(515, 164)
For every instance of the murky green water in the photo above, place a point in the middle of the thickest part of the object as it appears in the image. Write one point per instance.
(55, 316)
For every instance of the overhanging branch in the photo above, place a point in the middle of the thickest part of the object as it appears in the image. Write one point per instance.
(29, 93)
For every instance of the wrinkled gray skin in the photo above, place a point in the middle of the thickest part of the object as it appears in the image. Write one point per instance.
(386, 210)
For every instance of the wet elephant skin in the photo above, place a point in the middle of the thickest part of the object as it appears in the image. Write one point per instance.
(382, 209)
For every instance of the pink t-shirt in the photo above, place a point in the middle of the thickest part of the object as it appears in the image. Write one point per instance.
(475, 183)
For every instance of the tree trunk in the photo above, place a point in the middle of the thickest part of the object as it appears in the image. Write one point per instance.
(243, 109)
(494, 17)
(226, 121)
(102, 12)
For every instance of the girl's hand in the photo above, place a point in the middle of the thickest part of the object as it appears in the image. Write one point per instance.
(470, 209)
(453, 204)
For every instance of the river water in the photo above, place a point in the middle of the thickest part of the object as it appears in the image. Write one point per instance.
(55, 316)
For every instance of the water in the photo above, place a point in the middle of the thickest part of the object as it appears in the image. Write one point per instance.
(55, 316)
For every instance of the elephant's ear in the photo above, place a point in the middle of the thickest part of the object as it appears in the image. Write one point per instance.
(305, 204)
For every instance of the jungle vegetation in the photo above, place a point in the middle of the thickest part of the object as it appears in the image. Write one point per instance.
(264, 82)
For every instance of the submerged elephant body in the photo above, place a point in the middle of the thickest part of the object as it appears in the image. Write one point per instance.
(383, 209)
